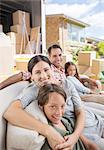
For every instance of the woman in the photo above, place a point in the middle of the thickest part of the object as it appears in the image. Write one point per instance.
(40, 69)
(85, 93)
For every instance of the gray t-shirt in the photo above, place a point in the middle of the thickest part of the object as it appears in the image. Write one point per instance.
(28, 94)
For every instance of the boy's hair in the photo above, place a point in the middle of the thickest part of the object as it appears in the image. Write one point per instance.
(53, 47)
(44, 91)
(34, 60)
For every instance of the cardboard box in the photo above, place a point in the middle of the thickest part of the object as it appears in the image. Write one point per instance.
(19, 29)
(85, 57)
(19, 16)
(82, 68)
(21, 65)
(16, 38)
(17, 43)
(35, 32)
(97, 66)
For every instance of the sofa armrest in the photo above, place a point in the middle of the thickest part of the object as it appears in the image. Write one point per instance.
(7, 95)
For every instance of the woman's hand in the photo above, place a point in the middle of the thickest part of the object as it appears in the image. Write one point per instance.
(54, 138)
(69, 143)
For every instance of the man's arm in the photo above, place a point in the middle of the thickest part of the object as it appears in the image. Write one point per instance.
(16, 115)
(12, 79)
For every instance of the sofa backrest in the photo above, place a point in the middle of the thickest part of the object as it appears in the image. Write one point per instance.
(7, 95)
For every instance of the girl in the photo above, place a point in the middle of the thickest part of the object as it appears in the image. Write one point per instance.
(85, 93)
(71, 70)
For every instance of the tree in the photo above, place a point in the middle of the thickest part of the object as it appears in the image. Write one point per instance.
(101, 48)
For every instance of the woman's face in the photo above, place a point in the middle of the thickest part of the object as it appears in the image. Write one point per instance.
(71, 70)
(41, 73)
(55, 107)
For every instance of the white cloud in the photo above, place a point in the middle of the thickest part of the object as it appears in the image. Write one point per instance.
(95, 19)
(82, 12)
(75, 10)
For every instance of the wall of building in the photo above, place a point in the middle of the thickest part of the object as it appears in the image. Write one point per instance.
(52, 30)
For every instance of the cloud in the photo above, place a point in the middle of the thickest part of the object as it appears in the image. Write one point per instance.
(84, 12)
(75, 10)
(95, 19)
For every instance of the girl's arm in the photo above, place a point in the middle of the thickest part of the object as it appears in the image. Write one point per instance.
(88, 143)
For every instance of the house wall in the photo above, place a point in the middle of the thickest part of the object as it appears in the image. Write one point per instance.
(52, 30)
(63, 33)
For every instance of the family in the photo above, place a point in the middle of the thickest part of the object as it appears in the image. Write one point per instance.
(71, 124)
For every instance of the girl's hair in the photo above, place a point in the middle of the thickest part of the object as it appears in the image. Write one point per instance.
(67, 66)
(34, 60)
(44, 91)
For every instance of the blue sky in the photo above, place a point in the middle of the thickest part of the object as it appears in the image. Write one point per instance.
(88, 11)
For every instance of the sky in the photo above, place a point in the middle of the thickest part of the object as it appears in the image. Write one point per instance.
(88, 11)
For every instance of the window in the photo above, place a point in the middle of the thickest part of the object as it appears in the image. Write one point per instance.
(75, 33)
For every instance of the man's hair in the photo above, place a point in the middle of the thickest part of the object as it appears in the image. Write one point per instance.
(44, 91)
(53, 47)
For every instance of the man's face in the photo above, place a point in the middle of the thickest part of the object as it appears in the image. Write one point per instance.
(56, 57)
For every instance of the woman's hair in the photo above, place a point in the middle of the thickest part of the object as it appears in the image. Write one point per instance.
(67, 66)
(34, 60)
(44, 91)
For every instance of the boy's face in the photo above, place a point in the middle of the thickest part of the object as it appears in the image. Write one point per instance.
(55, 107)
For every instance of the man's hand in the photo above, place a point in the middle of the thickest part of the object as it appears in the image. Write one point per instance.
(69, 143)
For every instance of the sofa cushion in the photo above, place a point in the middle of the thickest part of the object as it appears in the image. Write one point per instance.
(7, 95)
(20, 138)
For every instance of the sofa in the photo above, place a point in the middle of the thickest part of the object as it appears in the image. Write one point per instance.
(17, 138)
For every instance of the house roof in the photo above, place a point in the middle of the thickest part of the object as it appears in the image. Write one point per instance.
(70, 19)
(94, 39)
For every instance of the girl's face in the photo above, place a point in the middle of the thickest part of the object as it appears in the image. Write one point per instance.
(41, 73)
(55, 107)
(71, 70)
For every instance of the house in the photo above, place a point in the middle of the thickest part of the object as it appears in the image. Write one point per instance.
(66, 31)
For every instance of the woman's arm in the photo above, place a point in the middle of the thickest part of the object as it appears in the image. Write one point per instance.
(16, 115)
(72, 139)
